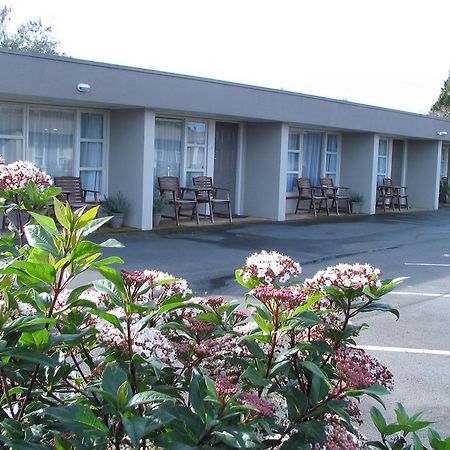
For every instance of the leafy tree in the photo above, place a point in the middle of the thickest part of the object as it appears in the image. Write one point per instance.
(442, 106)
(31, 36)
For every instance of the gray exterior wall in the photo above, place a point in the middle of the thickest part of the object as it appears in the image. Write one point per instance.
(265, 162)
(131, 157)
(54, 80)
(358, 167)
(423, 168)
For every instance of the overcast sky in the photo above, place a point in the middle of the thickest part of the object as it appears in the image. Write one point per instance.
(391, 53)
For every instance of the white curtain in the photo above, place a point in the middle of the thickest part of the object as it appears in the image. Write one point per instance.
(168, 144)
(312, 156)
(11, 124)
(51, 141)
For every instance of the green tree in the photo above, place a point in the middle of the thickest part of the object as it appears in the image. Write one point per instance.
(31, 36)
(442, 106)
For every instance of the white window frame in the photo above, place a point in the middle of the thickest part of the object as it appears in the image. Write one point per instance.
(77, 114)
(389, 141)
(185, 178)
(444, 161)
(22, 138)
(105, 149)
(300, 152)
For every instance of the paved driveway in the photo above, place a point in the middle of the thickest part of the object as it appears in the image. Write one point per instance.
(415, 244)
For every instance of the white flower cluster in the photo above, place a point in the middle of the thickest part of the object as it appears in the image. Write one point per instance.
(177, 287)
(146, 342)
(19, 174)
(345, 276)
(267, 266)
(23, 310)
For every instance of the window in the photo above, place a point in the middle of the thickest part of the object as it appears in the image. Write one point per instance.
(383, 165)
(331, 158)
(311, 154)
(168, 145)
(92, 143)
(11, 132)
(444, 162)
(51, 141)
(180, 149)
(195, 150)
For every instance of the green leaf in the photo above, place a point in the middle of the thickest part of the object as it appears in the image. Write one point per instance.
(45, 222)
(378, 419)
(94, 225)
(113, 378)
(255, 377)
(38, 237)
(114, 276)
(63, 214)
(28, 355)
(42, 272)
(254, 348)
(80, 416)
(87, 217)
(314, 369)
(250, 284)
(143, 398)
(39, 339)
(135, 429)
(111, 243)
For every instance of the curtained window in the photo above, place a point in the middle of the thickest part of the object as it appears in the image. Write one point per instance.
(11, 132)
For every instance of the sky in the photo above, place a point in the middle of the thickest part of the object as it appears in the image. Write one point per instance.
(389, 53)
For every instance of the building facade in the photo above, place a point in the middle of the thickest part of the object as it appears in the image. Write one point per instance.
(119, 128)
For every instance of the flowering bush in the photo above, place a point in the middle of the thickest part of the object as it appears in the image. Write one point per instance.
(24, 188)
(134, 360)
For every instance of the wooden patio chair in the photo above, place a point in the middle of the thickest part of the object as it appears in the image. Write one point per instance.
(310, 193)
(336, 193)
(210, 195)
(73, 192)
(169, 188)
(399, 193)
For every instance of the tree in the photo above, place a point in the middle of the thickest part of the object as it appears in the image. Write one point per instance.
(442, 106)
(31, 36)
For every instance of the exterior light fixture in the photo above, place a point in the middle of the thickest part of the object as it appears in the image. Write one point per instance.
(83, 87)
(441, 133)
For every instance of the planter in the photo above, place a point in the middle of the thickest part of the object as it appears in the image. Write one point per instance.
(356, 207)
(156, 219)
(116, 221)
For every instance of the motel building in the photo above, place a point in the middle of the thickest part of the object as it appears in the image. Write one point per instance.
(119, 128)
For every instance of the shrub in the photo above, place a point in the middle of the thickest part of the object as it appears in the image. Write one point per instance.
(134, 360)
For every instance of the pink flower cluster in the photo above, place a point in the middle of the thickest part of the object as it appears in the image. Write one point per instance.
(284, 298)
(226, 386)
(338, 437)
(262, 407)
(345, 276)
(19, 174)
(359, 370)
(268, 266)
(136, 279)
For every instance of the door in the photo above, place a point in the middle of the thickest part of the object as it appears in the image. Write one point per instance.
(225, 159)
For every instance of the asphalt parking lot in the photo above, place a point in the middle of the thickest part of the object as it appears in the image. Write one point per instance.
(414, 244)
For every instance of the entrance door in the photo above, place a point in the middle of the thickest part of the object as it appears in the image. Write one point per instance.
(225, 159)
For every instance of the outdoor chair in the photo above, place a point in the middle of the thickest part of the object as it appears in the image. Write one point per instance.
(399, 193)
(443, 190)
(336, 193)
(310, 193)
(74, 194)
(169, 188)
(207, 193)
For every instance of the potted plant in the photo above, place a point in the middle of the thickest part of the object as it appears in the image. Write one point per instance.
(356, 199)
(117, 206)
(159, 203)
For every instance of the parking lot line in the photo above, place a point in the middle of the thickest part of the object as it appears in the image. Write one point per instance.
(419, 294)
(427, 264)
(405, 350)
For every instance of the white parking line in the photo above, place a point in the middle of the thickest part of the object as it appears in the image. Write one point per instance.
(405, 350)
(426, 264)
(418, 294)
